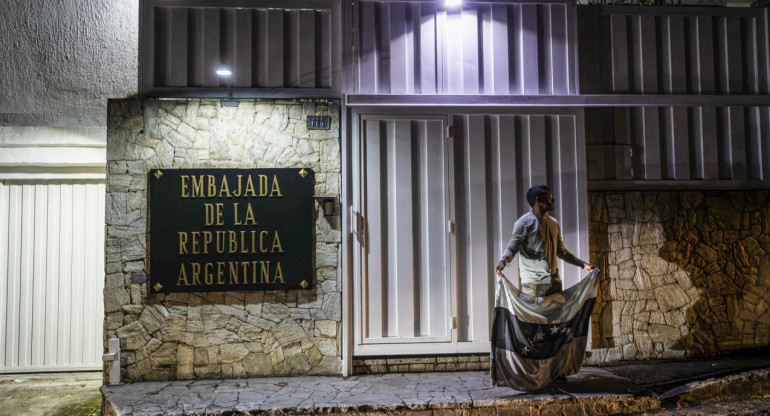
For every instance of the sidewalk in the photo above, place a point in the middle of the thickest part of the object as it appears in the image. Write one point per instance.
(624, 389)
(54, 394)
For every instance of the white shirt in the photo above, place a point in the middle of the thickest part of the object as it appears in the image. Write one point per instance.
(538, 243)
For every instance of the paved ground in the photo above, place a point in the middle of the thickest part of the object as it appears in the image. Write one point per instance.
(57, 394)
(410, 392)
(740, 385)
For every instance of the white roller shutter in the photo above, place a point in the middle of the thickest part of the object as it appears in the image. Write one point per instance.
(51, 274)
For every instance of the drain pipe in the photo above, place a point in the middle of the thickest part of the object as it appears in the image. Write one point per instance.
(113, 357)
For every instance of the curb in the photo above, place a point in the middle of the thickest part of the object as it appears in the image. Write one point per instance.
(748, 384)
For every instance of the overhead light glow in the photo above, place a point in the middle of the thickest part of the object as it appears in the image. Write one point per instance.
(223, 71)
(452, 3)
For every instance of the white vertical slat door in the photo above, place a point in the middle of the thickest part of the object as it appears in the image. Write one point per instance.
(51, 274)
(402, 293)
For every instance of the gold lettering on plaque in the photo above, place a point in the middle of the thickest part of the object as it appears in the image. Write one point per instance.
(245, 265)
(265, 275)
(233, 272)
(220, 221)
(209, 213)
(220, 239)
(182, 242)
(197, 186)
(244, 249)
(233, 242)
(224, 188)
(182, 276)
(220, 272)
(207, 237)
(214, 213)
(196, 272)
(235, 214)
(195, 246)
(249, 188)
(212, 186)
(184, 186)
(276, 243)
(275, 189)
(278, 273)
(209, 274)
(262, 185)
(239, 187)
(249, 216)
(262, 247)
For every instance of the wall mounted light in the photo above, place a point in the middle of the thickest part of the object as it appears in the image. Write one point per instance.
(329, 205)
(225, 72)
(453, 3)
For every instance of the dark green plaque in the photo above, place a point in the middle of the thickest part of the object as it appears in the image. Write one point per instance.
(215, 230)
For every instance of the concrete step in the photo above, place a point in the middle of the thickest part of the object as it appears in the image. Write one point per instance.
(594, 391)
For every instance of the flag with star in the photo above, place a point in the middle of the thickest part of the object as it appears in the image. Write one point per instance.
(534, 344)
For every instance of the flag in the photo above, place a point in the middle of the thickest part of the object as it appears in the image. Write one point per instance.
(534, 344)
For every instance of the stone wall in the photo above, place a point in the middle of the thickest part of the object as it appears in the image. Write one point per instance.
(213, 335)
(685, 274)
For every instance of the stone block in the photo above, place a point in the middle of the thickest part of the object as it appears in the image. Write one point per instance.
(288, 332)
(115, 298)
(231, 353)
(326, 328)
(132, 336)
(671, 297)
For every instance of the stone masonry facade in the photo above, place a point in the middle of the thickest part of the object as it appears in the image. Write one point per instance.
(225, 334)
(685, 273)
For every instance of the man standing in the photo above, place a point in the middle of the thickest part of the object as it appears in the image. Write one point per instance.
(536, 343)
(537, 240)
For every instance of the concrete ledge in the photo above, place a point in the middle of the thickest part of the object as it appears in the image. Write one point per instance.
(748, 384)
(593, 391)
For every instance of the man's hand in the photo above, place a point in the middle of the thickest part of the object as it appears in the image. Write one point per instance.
(500, 266)
(589, 267)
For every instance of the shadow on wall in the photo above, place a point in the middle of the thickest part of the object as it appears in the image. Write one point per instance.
(685, 273)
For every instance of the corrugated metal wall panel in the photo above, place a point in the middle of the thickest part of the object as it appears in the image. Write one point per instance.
(273, 46)
(672, 50)
(412, 180)
(478, 48)
(712, 145)
(50, 278)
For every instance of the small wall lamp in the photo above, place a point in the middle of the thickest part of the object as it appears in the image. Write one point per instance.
(225, 72)
(329, 205)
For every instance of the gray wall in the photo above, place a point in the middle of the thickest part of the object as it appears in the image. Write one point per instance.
(61, 60)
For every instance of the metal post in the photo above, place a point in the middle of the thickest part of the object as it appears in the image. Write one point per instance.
(113, 357)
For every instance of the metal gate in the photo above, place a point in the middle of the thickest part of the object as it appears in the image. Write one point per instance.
(434, 202)
(51, 275)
